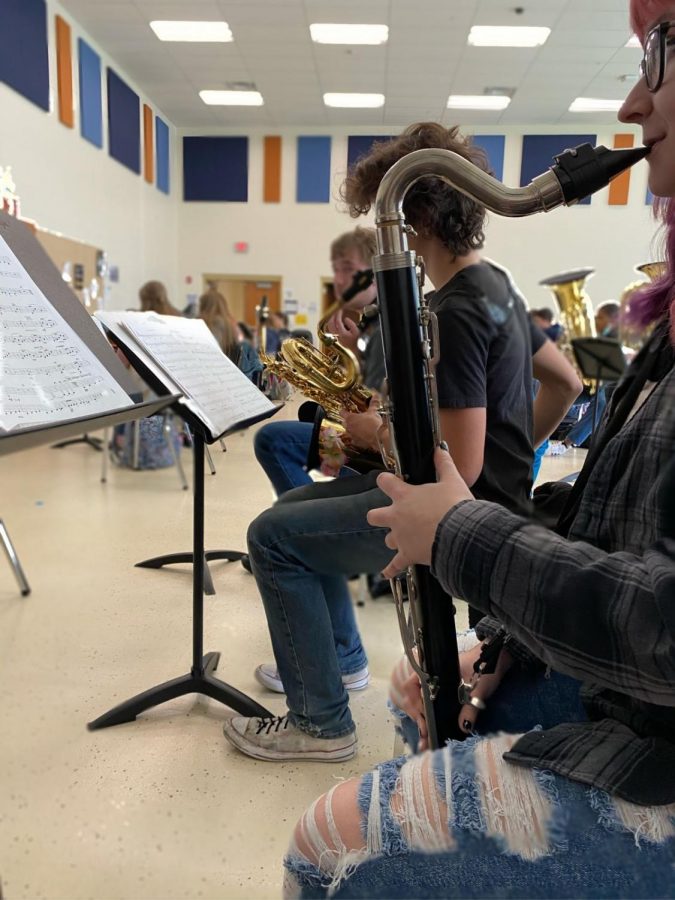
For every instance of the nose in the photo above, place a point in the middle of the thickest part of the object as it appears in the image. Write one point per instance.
(637, 105)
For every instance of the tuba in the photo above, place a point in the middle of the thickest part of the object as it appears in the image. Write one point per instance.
(574, 307)
(410, 343)
(632, 336)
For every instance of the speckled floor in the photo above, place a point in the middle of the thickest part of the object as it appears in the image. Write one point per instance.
(160, 807)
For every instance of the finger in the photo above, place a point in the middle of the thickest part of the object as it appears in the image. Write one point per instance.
(445, 467)
(382, 516)
(396, 566)
(391, 541)
(467, 718)
(391, 485)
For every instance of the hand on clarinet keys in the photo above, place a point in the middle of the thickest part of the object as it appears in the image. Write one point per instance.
(416, 511)
(483, 688)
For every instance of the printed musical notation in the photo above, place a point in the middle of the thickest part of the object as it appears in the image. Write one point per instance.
(47, 373)
(214, 387)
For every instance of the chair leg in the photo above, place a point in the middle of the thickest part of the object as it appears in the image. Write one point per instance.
(209, 460)
(168, 434)
(8, 547)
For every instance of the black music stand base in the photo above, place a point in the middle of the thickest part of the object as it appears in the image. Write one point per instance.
(94, 443)
(200, 682)
(200, 679)
(171, 558)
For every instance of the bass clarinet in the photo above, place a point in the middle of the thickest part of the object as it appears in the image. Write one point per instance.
(410, 338)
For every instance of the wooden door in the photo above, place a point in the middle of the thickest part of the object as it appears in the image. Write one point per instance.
(254, 292)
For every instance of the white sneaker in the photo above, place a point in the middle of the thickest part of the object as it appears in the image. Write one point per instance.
(276, 739)
(268, 675)
(556, 448)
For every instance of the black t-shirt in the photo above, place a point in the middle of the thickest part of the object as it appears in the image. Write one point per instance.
(486, 346)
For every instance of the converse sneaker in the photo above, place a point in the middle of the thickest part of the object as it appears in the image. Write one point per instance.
(275, 738)
(268, 675)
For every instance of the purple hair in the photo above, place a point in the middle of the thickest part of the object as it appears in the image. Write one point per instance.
(654, 301)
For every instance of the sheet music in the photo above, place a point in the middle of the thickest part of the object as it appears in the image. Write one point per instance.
(47, 373)
(214, 388)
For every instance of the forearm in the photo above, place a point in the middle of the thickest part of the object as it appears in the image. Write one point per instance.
(605, 618)
(550, 406)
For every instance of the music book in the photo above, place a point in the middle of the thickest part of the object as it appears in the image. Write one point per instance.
(185, 358)
(55, 367)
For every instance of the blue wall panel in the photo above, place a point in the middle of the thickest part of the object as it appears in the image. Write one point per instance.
(494, 145)
(359, 145)
(162, 145)
(215, 169)
(24, 61)
(539, 150)
(313, 170)
(91, 109)
(124, 123)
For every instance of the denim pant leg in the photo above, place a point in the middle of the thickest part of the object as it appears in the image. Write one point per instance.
(301, 550)
(582, 430)
(281, 448)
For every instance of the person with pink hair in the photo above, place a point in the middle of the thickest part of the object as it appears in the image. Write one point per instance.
(565, 785)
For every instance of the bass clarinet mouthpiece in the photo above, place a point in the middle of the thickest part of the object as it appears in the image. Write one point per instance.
(587, 169)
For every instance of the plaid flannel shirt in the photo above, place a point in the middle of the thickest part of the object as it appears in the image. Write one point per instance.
(599, 606)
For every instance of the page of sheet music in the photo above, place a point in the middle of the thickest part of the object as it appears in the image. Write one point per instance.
(47, 373)
(188, 352)
(113, 320)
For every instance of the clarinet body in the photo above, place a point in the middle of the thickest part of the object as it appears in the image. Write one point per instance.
(411, 349)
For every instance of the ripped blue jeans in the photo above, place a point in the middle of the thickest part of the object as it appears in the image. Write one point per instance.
(462, 822)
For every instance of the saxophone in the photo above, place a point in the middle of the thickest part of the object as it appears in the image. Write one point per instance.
(410, 341)
(331, 376)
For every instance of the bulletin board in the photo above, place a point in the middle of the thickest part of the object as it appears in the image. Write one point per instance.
(70, 254)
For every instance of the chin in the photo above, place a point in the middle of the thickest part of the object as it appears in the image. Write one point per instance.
(662, 187)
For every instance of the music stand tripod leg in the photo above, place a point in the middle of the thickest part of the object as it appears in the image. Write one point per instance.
(200, 679)
(24, 587)
(94, 443)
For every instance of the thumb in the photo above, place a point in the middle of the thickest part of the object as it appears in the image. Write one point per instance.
(445, 467)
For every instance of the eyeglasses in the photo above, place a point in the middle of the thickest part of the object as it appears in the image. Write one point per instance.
(653, 65)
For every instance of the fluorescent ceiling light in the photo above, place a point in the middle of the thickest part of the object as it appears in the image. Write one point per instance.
(232, 98)
(593, 104)
(507, 36)
(634, 41)
(479, 101)
(325, 33)
(209, 32)
(354, 101)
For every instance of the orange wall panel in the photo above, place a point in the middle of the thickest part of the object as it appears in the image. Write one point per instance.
(64, 68)
(619, 187)
(148, 145)
(272, 172)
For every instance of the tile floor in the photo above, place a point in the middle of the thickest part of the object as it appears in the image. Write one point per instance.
(160, 807)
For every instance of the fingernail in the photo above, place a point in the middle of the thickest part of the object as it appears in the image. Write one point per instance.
(467, 725)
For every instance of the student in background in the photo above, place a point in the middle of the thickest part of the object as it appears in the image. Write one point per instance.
(154, 298)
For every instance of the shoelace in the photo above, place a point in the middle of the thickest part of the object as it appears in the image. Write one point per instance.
(273, 723)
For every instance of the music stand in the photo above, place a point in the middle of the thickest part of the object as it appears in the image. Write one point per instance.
(93, 442)
(200, 679)
(599, 359)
